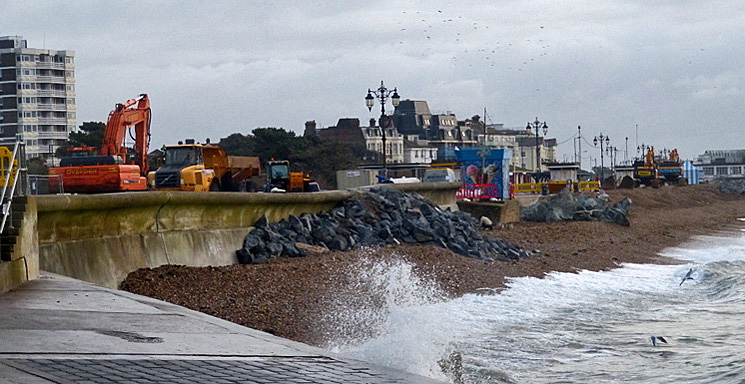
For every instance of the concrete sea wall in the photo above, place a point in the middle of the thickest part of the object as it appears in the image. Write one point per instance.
(102, 238)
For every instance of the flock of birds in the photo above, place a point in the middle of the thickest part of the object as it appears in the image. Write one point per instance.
(433, 32)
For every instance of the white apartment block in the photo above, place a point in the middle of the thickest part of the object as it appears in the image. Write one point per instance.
(37, 96)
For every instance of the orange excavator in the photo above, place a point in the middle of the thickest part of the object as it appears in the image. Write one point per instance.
(115, 168)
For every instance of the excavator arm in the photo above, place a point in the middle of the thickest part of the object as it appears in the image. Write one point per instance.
(122, 117)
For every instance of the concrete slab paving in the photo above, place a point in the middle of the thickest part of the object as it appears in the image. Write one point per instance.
(61, 330)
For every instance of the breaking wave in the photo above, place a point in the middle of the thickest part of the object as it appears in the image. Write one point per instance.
(567, 327)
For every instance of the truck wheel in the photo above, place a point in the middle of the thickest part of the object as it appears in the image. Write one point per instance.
(214, 187)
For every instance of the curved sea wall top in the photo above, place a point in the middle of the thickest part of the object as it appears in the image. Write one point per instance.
(102, 238)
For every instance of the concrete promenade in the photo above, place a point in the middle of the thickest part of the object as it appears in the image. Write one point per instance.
(56, 329)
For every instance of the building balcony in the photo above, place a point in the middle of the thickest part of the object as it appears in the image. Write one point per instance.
(59, 135)
(52, 120)
(42, 93)
(48, 65)
(60, 93)
(52, 107)
(48, 79)
(53, 135)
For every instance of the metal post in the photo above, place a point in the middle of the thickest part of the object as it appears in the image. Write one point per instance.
(579, 146)
(602, 166)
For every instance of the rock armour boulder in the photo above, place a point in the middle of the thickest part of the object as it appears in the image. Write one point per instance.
(375, 218)
(732, 187)
(566, 206)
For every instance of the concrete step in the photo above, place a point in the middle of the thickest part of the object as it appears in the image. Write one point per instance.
(11, 231)
(6, 252)
(20, 199)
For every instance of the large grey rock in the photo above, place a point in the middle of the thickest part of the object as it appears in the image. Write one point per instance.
(566, 206)
(376, 218)
(732, 187)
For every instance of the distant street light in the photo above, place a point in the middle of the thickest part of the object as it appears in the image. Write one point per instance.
(642, 150)
(607, 142)
(382, 94)
(537, 125)
(626, 152)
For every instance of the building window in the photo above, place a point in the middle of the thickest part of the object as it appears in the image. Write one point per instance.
(709, 171)
(721, 171)
(736, 170)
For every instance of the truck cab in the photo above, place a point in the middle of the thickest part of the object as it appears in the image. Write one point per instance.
(203, 167)
(183, 170)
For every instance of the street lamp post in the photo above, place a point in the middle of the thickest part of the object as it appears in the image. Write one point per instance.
(537, 125)
(382, 94)
(626, 152)
(642, 150)
(607, 142)
(612, 151)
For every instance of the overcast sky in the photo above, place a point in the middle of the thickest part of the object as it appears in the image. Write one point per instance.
(675, 69)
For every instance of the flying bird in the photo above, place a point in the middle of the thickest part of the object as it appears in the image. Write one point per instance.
(687, 277)
(655, 339)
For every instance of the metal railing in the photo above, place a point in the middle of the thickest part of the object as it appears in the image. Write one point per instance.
(45, 185)
(11, 172)
(556, 185)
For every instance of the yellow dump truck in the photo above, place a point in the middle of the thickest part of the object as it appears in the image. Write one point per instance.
(198, 167)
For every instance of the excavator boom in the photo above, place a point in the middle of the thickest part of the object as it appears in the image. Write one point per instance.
(121, 118)
(111, 171)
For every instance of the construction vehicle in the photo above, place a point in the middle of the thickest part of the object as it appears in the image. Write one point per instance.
(670, 169)
(116, 167)
(199, 167)
(280, 179)
(656, 171)
(644, 169)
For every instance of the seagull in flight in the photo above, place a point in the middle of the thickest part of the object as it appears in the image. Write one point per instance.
(687, 277)
(655, 339)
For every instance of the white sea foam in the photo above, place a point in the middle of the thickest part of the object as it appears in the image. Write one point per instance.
(566, 325)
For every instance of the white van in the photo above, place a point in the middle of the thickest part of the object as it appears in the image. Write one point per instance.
(439, 175)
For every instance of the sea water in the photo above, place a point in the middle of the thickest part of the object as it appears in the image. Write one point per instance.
(586, 327)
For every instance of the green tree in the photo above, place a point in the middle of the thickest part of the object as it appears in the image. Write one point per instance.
(321, 159)
(276, 143)
(238, 145)
(90, 134)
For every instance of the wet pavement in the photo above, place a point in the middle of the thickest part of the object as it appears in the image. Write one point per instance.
(61, 330)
